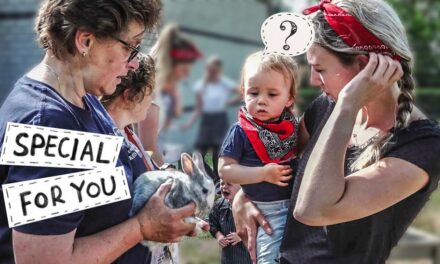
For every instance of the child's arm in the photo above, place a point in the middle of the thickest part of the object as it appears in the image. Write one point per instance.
(214, 224)
(221, 239)
(230, 171)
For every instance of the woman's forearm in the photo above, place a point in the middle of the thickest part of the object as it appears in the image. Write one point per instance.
(102, 247)
(107, 245)
(323, 182)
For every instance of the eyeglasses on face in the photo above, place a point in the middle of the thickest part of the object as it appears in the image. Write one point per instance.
(134, 50)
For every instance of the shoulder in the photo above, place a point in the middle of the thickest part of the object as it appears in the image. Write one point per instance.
(316, 112)
(227, 82)
(417, 131)
(236, 131)
(418, 144)
(35, 103)
(198, 86)
(221, 203)
(234, 143)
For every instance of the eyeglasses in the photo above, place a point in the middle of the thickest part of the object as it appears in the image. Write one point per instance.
(134, 50)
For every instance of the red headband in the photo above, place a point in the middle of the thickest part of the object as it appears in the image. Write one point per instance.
(350, 30)
(188, 54)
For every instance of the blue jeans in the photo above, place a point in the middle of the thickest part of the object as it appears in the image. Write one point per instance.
(268, 246)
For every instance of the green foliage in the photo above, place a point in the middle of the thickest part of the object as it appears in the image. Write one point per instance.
(422, 22)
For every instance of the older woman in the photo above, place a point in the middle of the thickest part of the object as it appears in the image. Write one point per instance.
(372, 158)
(90, 46)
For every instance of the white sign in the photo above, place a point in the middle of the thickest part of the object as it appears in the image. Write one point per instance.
(28, 145)
(36, 200)
(287, 34)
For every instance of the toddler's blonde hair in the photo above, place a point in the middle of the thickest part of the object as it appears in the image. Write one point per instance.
(283, 64)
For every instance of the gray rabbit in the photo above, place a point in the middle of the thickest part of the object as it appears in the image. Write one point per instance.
(194, 185)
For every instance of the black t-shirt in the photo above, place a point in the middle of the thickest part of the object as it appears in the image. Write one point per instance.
(368, 240)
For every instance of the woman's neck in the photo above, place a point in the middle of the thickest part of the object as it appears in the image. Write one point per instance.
(64, 77)
(212, 79)
(118, 114)
(380, 113)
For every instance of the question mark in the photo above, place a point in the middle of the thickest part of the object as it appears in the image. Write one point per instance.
(293, 30)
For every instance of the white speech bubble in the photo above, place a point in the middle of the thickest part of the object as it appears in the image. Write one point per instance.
(54, 147)
(36, 200)
(287, 34)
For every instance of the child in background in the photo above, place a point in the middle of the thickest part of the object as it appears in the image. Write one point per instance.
(260, 148)
(222, 227)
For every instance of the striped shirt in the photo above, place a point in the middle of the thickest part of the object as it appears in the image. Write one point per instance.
(221, 219)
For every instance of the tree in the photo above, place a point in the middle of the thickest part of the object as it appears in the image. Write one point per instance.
(422, 22)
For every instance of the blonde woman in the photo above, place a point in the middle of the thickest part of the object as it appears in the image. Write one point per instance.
(174, 55)
(372, 158)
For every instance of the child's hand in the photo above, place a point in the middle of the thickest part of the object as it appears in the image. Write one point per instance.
(223, 241)
(277, 174)
(233, 238)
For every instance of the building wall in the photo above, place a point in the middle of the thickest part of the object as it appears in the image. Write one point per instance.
(18, 49)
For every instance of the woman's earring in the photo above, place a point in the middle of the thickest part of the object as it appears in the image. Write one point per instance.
(84, 53)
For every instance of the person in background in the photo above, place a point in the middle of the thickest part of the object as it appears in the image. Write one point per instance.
(174, 55)
(89, 47)
(213, 96)
(128, 105)
(222, 227)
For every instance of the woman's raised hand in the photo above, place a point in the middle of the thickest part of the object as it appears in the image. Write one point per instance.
(160, 223)
(247, 218)
(380, 73)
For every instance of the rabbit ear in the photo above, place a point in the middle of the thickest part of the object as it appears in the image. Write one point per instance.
(198, 159)
(188, 165)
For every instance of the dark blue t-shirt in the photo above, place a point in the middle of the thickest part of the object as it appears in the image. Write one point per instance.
(35, 103)
(238, 147)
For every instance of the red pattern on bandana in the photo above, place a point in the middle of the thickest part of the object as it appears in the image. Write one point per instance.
(283, 129)
(350, 30)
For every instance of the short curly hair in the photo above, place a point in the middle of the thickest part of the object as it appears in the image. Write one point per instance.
(138, 82)
(58, 20)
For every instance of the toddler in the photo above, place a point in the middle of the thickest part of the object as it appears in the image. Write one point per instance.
(260, 149)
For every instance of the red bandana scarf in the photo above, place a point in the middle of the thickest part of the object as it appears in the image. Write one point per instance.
(274, 142)
(350, 30)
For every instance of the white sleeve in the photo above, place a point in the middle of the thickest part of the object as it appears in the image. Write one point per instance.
(228, 83)
(198, 87)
